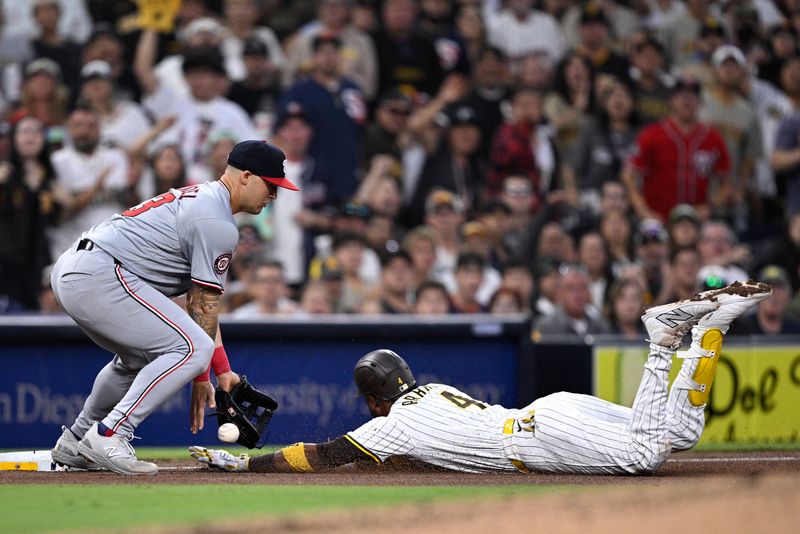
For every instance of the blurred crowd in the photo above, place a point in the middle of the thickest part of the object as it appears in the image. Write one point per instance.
(572, 160)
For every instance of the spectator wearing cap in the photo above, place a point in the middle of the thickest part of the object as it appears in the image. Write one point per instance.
(622, 21)
(405, 57)
(431, 298)
(95, 177)
(517, 275)
(259, 89)
(681, 280)
(520, 30)
(574, 314)
(771, 316)
(358, 63)
(650, 82)
(468, 278)
(680, 35)
(389, 133)
(436, 24)
(52, 44)
(475, 239)
(679, 160)
(718, 245)
(651, 249)
(268, 292)
(595, 43)
(122, 121)
(444, 215)
(241, 18)
(735, 118)
(523, 146)
(203, 111)
(43, 94)
(684, 226)
(454, 164)
(570, 104)
(603, 146)
(491, 79)
(783, 250)
(335, 107)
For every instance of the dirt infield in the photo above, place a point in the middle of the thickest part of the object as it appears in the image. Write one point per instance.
(708, 492)
(678, 467)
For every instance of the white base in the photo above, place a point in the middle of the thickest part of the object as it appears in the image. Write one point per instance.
(30, 461)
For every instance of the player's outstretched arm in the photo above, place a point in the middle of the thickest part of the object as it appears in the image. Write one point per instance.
(297, 458)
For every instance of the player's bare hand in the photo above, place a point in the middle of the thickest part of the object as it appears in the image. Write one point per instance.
(227, 380)
(202, 396)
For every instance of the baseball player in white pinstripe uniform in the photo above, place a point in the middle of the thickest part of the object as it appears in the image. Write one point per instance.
(560, 433)
(116, 283)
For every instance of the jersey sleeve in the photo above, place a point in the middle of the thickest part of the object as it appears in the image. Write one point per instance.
(209, 246)
(380, 438)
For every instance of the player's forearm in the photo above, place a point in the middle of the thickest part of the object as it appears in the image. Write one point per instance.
(297, 458)
(202, 305)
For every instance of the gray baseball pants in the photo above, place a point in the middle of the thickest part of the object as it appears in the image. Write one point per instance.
(157, 347)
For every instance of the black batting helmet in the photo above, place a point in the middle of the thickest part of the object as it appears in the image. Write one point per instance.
(384, 374)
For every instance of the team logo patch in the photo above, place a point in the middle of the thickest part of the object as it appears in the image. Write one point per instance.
(221, 264)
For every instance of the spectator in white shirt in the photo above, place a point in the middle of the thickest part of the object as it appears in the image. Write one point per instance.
(519, 30)
(269, 292)
(95, 176)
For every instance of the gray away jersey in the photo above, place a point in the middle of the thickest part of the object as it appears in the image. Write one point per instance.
(440, 425)
(182, 236)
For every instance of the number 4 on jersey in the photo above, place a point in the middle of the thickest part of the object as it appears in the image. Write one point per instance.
(463, 402)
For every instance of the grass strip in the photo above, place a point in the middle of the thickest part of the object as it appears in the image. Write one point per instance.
(55, 508)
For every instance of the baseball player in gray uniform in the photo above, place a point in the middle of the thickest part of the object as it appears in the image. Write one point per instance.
(560, 433)
(116, 282)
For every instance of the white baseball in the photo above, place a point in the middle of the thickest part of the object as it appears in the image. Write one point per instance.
(228, 433)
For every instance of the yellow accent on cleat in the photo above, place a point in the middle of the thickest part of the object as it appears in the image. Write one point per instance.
(706, 367)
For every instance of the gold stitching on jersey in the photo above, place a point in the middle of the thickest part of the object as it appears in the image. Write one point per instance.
(360, 447)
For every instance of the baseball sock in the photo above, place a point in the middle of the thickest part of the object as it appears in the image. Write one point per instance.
(103, 430)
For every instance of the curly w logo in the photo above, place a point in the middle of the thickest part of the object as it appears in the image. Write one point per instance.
(673, 318)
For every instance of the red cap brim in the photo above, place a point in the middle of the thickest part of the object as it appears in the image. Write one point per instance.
(281, 182)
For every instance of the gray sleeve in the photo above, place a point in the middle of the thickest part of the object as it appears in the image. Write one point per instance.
(209, 245)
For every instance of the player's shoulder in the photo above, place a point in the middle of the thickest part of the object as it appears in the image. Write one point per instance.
(422, 393)
(206, 202)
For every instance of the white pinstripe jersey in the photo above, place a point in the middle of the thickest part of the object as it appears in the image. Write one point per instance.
(440, 425)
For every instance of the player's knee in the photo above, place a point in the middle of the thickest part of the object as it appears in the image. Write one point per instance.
(203, 350)
(652, 457)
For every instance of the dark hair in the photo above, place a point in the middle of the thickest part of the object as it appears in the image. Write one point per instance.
(614, 292)
(43, 158)
(180, 180)
(430, 284)
(673, 255)
(633, 117)
(267, 262)
(389, 257)
(560, 84)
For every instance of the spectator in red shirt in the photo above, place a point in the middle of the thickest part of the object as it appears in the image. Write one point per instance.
(677, 159)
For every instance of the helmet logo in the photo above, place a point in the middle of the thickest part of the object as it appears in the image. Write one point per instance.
(399, 380)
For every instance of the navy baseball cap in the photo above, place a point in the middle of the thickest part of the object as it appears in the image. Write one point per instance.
(262, 159)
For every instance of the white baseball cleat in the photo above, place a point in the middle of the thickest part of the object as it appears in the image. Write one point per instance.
(734, 300)
(115, 453)
(66, 453)
(666, 325)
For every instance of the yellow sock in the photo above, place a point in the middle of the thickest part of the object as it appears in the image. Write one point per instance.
(706, 367)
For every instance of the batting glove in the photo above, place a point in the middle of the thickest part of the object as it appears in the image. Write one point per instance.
(220, 459)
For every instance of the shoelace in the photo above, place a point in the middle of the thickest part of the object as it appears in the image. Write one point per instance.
(125, 441)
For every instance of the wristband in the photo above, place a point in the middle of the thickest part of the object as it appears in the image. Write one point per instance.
(295, 456)
(219, 361)
(205, 376)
